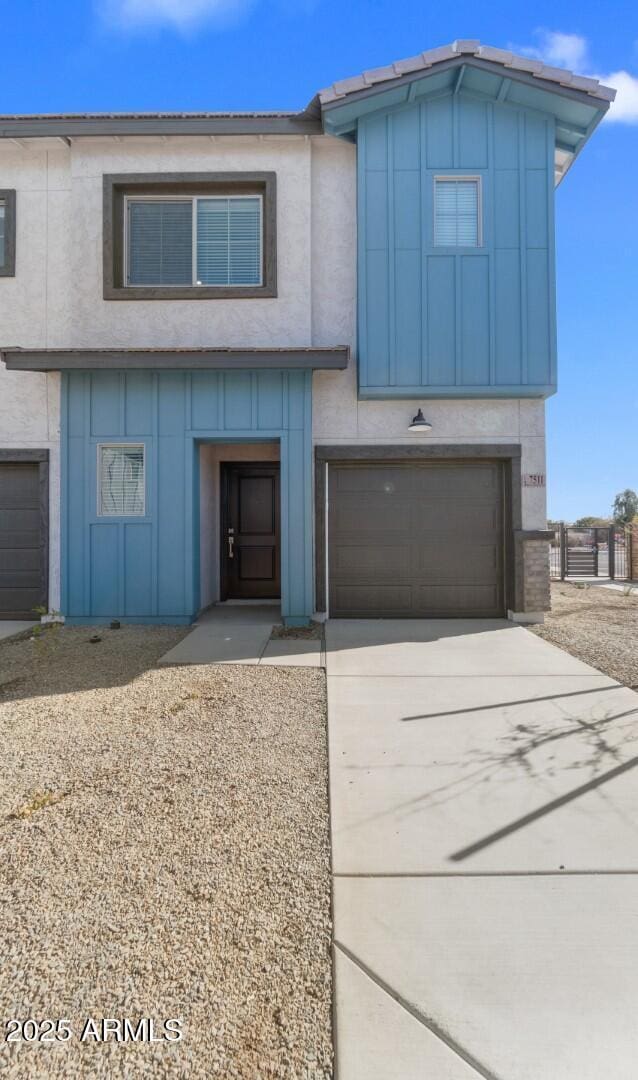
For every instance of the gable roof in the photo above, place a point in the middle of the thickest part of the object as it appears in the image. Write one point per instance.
(577, 102)
(464, 49)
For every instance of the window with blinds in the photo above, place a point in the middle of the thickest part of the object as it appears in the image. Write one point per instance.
(210, 240)
(121, 482)
(457, 212)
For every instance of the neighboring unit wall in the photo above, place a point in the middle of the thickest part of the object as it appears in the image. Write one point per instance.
(30, 420)
(55, 299)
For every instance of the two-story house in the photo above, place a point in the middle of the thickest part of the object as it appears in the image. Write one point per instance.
(297, 355)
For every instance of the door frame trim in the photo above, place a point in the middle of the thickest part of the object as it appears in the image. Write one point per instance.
(507, 453)
(224, 469)
(16, 455)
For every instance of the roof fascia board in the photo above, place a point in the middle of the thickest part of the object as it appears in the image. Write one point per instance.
(595, 121)
(198, 359)
(74, 127)
(581, 96)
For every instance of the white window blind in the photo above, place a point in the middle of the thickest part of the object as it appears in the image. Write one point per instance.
(121, 487)
(229, 241)
(226, 233)
(456, 212)
(1, 233)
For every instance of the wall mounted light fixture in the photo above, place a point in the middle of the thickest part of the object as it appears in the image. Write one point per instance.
(419, 423)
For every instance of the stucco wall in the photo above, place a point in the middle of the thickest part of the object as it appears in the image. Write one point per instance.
(55, 299)
(338, 417)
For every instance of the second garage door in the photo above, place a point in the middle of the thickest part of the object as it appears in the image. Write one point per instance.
(416, 540)
(22, 541)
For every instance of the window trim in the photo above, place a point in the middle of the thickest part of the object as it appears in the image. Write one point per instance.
(459, 177)
(8, 267)
(116, 187)
(98, 479)
(194, 200)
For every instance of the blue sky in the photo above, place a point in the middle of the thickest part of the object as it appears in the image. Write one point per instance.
(251, 54)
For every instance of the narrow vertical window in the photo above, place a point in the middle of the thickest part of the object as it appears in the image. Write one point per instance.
(121, 480)
(457, 212)
(7, 233)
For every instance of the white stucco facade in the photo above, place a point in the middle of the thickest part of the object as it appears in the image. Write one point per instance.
(56, 298)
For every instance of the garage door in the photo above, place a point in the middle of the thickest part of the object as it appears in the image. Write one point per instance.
(409, 540)
(22, 541)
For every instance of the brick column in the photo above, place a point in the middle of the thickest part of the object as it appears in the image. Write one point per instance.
(531, 575)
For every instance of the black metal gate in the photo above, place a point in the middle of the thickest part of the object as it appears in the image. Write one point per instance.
(593, 552)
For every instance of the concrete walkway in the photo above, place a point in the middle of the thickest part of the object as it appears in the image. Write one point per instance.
(11, 627)
(240, 634)
(484, 804)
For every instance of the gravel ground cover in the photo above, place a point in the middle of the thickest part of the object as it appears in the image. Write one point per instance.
(163, 854)
(598, 625)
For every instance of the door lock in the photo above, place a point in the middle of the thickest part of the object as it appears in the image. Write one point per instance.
(231, 544)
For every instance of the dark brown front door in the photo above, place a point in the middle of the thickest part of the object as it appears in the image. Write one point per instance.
(250, 540)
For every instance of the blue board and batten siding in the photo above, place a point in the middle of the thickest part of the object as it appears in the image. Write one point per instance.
(147, 568)
(466, 321)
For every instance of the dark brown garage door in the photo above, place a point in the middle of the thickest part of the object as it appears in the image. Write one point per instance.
(22, 541)
(416, 540)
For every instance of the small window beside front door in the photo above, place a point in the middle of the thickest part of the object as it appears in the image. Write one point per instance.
(121, 480)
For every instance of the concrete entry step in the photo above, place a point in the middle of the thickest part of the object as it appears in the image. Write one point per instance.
(240, 634)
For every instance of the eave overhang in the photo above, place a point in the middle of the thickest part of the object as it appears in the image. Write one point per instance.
(331, 359)
(116, 125)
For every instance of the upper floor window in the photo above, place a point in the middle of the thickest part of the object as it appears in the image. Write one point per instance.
(7, 233)
(457, 211)
(194, 241)
(189, 236)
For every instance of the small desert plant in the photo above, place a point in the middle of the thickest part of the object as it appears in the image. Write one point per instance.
(38, 801)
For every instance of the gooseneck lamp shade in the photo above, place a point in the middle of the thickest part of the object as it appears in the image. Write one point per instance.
(419, 423)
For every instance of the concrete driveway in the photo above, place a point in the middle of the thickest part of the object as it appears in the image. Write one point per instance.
(484, 801)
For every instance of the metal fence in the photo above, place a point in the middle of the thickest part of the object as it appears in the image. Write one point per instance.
(595, 552)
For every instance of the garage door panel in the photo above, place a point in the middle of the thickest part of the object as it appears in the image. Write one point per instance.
(20, 559)
(370, 517)
(360, 561)
(16, 538)
(22, 541)
(443, 520)
(13, 519)
(458, 562)
(373, 480)
(451, 480)
(456, 599)
(372, 600)
(17, 601)
(416, 539)
(19, 484)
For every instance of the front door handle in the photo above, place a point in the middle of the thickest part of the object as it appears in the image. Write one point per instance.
(231, 544)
